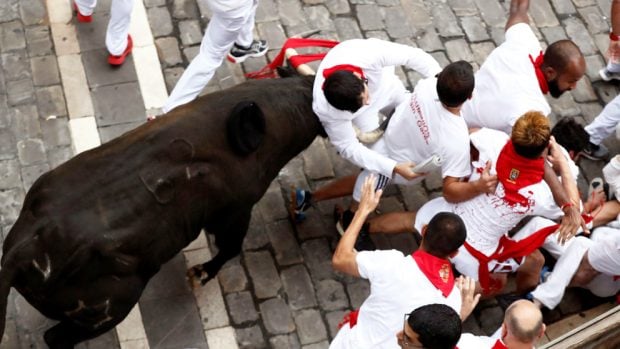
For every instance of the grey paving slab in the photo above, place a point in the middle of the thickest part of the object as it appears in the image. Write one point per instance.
(168, 51)
(15, 65)
(9, 10)
(9, 174)
(310, 326)
(107, 133)
(241, 307)
(233, 279)
(113, 104)
(184, 9)
(25, 122)
(12, 36)
(20, 92)
(100, 73)
(250, 337)
(31, 151)
(162, 17)
(331, 295)
(285, 342)
(276, 316)
(30, 174)
(283, 241)
(45, 71)
(298, 287)
(8, 149)
(191, 33)
(55, 132)
(50, 101)
(92, 35)
(263, 274)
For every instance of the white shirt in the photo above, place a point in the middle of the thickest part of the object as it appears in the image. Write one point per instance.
(506, 84)
(397, 287)
(470, 341)
(377, 59)
(422, 127)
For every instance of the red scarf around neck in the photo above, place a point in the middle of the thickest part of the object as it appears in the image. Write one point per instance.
(515, 172)
(499, 345)
(437, 270)
(542, 82)
(348, 67)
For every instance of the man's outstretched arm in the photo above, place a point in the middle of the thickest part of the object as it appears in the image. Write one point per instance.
(344, 259)
(518, 12)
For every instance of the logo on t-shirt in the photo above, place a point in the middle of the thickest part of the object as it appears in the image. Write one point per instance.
(444, 272)
(514, 174)
(420, 122)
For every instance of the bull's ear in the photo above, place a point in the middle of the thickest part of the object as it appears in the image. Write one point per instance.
(245, 127)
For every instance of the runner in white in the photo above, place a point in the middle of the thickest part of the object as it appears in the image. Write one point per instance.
(589, 263)
(516, 75)
(399, 283)
(354, 82)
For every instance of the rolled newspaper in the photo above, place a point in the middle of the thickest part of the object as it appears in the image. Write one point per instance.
(429, 165)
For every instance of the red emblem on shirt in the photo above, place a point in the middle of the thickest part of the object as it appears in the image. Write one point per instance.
(514, 174)
(444, 272)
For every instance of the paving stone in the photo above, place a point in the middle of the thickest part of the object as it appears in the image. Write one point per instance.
(414, 196)
(318, 16)
(15, 65)
(564, 106)
(563, 7)
(184, 9)
(310, 326)
(606, 92)
(191, 52)
(91, 36)
(190, 32)
(5, 114)
(161, 16)
(579, 34)
(171, 76)
(51, 101)
(315, 226)
(463, 8)
(10, 205)
(232, 279)
(428, 39)
(445, 21)
(272, 32)
(283, 241)
(107, 133)
(358, 291)
(58, 156)
(266, 11)
(272, 206)
(331, 295)
(263, 274)
(474, 29)
(45, 71)
(589, 111)
(276, 316)
(290, 13)
(20, 92)
(154, 3)
(241, 307)
(32, 173)
(333, 319)
(113, 104)
(32, 12)
(367, 15)
(285, 342)
(395, 19)
(31, 151)
(584, 92)
(491, 319)
(347, 29)
(7, 145)
(317, 257)
(320, 345)
(338, 7)
(9, 174)
(543, 14)
(168, 51)
(459, 50)
(9, 10)
(100, 73)
(250, 338)
(182, 327)
(55, 132)
(554, 34)
(298, 287)
(12, 36)
(256, 237)
(583, 3)
(492, 13)
(595, 20)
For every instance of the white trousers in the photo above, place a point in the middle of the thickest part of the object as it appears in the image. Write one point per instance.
(224, 29)
(118, 26)
(605, 123)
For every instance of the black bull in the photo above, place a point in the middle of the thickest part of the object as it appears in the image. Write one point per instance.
(93, 231)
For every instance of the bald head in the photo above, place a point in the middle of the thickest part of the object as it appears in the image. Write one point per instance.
(561, 54)
(523, 321)
(563, 66)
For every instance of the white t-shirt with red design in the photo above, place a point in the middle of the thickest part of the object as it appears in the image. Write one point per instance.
(397, 287)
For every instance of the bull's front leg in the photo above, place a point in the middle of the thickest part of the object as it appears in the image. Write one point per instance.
(229, 236)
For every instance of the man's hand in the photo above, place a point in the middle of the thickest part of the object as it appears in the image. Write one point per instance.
(487, 182)
(405, 170)
(555, 156)
(469, 297)
(570, 224)
(370, 197)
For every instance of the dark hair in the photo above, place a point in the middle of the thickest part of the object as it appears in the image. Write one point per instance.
(438, 326)
(530, 134)
(455, 83)
(343, 90)
(570, 134)
(559, 54)
(445, 233)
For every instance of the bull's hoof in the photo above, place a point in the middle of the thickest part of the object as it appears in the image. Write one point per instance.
(197, 276)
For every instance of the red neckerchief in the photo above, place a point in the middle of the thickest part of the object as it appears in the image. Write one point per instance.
(437, 270)
(542, 82)
(348, 67)
(499, 345)
(515, 172)
(349, 318)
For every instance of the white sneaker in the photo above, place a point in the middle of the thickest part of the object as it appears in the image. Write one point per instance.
(611, 172)
(607, 75)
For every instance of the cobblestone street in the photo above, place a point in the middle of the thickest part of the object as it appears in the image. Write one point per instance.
(59, 97)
